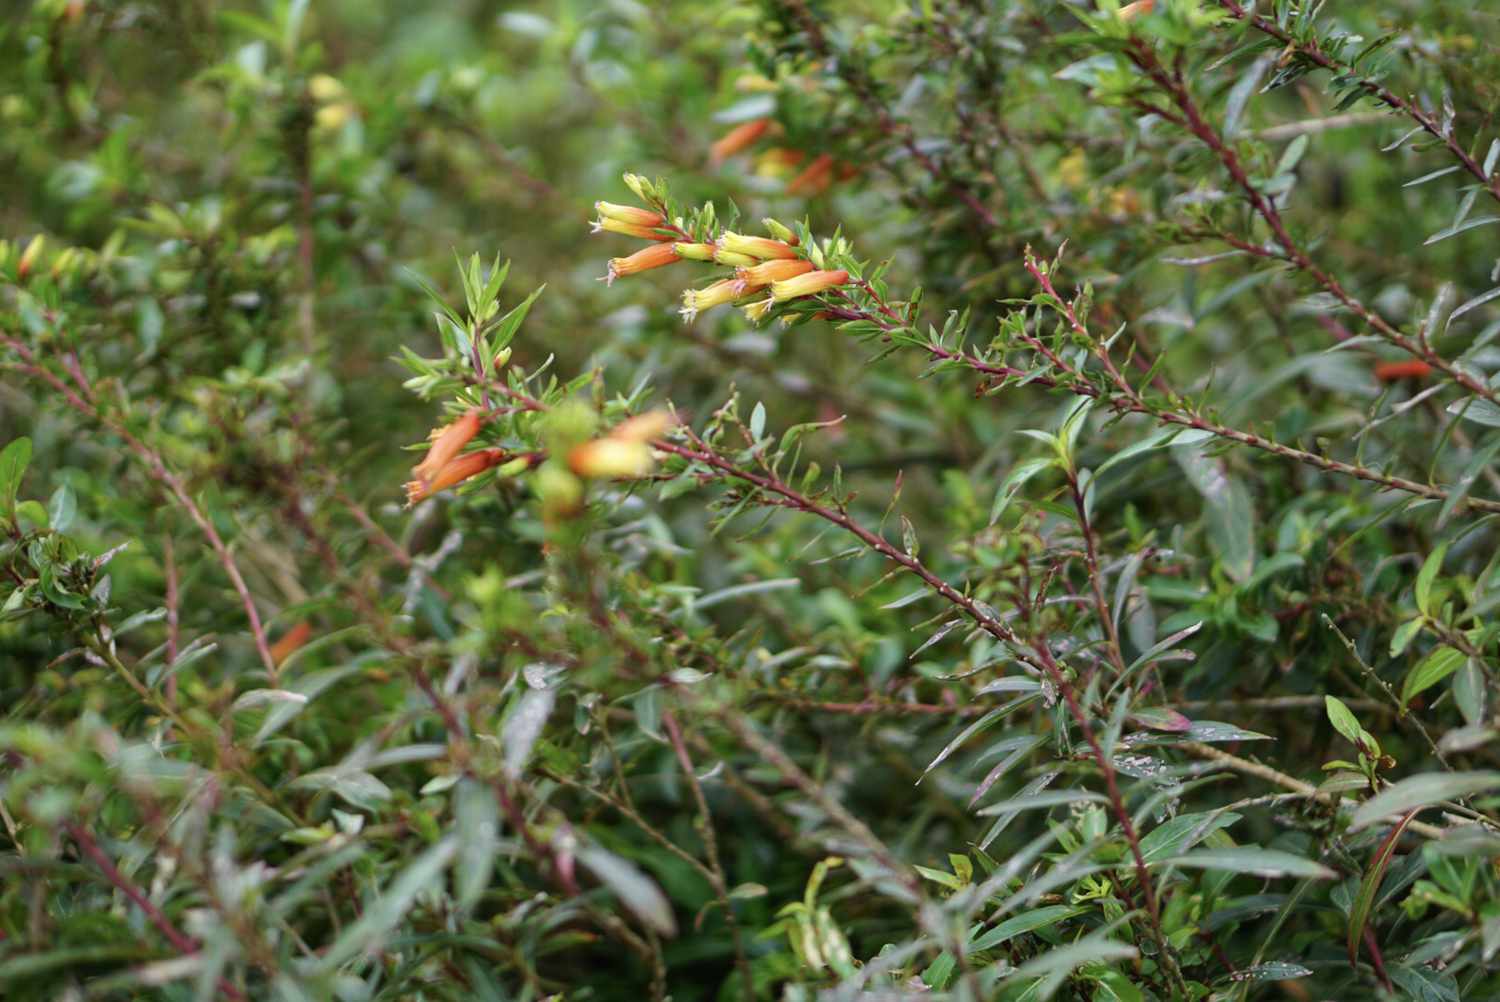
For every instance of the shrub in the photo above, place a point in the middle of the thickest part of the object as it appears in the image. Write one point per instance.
(1016, 520)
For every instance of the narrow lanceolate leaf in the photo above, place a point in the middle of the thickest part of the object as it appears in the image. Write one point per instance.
(385, 912)
(1359, 915)
(477, 813)
(13, 461)
(1416, 792)
(636, 891)
(1253, 860)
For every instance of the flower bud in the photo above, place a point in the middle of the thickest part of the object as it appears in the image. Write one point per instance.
(1389, 372)
(1137, 9)
(323, 87)
(642, 187)
(30, 254)
(655, 256)
(695, 252)
(629, 214)
(757, 247)
(738, 138)
(809, 284)
(780, 232)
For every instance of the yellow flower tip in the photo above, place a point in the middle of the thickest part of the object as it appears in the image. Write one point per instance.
(605, 224)
(756, 312)
(762, 248)
(739, 138)
(644, 427)
(655, 256)
(1139, 8)
(629, 214)
(448, 442)
(455, 472)
(773, 271)
(324, 88)
(29, 255)
(610, 457)
(695, 252)
(732, 259)
(809, 284)
(694, 301)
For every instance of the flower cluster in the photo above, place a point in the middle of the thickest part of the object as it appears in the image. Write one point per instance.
(776, 265)
(809, 177)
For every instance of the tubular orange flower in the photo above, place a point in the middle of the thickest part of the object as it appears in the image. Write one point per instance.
(610, 457)
(1389, 372)
(809, 284)
(607, 225)
(470, 464)
(629, 214)
(1134, 10)
(757, 247)
(696, 300)
(815, 177)
(738, 138)
(290, 641)
(655, 256)
(773, 271)
(447, 442)
(696, 252)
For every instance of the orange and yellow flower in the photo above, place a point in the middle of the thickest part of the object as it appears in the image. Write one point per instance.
(814, 178)
(739, 138)
(448, 442)
(809, 284)
(629, 214)
(695, 301)
(606, 224)
(772, 271)
(655, 256)
(762, 248)
(455, 472)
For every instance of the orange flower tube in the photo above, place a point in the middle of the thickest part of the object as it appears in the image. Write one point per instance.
(455, 472)
(448, 442)
(655, 256)
(738, 138)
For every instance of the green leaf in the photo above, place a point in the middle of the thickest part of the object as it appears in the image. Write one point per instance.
(1421, 791)
(477, 814)
(1254, 860)
(1427, 575)
(1183, 832)
(636, 891)
(1342, 719)
(1436, 666)
(13, 462)
(386, 911)
(62, 508)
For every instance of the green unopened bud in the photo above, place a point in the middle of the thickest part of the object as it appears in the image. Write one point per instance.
(780, 232)
(642, 187)
(501, 357)
(567, 425)
(560, 491)
(29, 256)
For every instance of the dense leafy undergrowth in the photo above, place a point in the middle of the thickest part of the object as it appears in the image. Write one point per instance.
(1016, 520)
